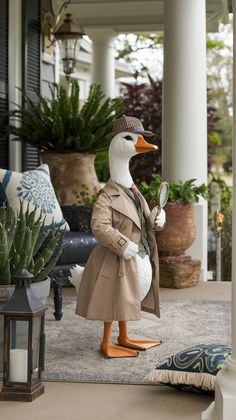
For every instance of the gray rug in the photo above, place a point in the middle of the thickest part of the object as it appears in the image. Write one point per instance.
(72, 344)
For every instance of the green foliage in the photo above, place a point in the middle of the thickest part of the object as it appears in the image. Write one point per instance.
(215, 44)
(26, 244)
(179, 192)
(141, 41)
(58, 124)
(214, 138)
(223, 152)
(84, 197)
(102, 166)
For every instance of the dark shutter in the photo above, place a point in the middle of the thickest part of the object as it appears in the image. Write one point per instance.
(4, 152)
(31, 63)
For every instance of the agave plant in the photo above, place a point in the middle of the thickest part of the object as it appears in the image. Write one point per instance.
(26, 244)
(58, 124)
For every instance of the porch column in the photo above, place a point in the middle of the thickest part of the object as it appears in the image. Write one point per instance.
(184, 144)
(14, 75)
(224, 407)
(103, 60)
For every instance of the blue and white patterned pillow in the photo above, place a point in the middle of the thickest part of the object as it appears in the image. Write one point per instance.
(32, 188)
(192, 369)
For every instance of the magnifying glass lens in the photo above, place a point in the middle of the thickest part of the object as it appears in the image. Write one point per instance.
(162, 195)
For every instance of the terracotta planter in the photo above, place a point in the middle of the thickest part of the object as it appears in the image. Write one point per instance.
(179, 232)
(70, 170)
(176, 269)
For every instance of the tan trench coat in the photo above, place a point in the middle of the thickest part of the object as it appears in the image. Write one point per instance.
(109, 287)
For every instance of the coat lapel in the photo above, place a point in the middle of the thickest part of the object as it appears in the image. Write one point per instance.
(121, 202)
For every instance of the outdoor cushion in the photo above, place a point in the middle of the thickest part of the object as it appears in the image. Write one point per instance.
(32, 188)
(77, 247)
(193, 369)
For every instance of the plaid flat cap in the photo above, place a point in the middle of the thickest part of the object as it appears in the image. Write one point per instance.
(129, 124)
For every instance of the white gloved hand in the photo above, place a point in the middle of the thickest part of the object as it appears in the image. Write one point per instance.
(158, 222)
(130, 251)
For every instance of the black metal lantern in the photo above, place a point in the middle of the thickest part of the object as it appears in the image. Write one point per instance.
(68, 35)
(24, 342)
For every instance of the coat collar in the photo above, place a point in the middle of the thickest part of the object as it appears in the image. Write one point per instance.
(111, 188)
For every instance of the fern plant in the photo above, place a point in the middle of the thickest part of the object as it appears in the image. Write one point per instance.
(58, 124)
(179, 191)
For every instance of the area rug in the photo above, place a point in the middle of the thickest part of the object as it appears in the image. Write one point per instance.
(72, 344)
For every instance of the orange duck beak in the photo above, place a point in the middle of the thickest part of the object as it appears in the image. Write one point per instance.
(142, 146)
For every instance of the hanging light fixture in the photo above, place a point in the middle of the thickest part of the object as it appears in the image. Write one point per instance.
(68, 35)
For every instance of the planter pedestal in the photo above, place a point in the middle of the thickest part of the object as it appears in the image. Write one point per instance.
(179, 271)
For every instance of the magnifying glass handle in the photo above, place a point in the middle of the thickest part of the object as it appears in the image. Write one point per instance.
(158, 208)
(158, 211)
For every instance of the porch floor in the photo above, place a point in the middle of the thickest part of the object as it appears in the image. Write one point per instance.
(81, 401)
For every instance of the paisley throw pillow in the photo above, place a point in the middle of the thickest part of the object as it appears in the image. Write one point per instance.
(33, 188)
(192, 369)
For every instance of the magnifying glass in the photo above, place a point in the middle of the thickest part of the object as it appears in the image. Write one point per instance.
(162, 195)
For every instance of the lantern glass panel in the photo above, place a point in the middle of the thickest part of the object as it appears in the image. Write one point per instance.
(68, 48)
(18, 350)
(37, 326)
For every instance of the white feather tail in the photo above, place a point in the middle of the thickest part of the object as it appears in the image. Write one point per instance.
(76, 276)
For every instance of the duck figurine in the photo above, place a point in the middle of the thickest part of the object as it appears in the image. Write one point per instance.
(121, 276)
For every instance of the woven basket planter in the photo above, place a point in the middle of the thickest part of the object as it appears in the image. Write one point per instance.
(176, 269)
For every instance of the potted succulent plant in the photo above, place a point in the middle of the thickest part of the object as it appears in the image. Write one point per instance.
(26, 244)
(67, 136)
(179, 232)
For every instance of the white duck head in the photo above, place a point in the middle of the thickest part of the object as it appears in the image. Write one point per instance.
(122, 147)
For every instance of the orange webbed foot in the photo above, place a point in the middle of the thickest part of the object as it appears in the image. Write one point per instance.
(138, 344)
(110, 350)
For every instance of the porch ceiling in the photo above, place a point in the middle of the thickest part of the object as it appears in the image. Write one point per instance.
(133, 15)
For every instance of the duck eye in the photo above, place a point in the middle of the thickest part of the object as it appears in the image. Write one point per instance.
(128, 138)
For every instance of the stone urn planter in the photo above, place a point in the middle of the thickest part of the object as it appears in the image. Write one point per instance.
(68, 133)
(69, 171)
(41, 290)
(177, 270)
(179, 232)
